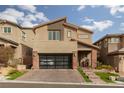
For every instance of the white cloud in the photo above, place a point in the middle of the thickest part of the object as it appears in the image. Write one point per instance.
(80, 7)
(115, 9)
(11, 15)
(27, 24)
(88, 20)
(41, 16)
(99, 25)
(30, 8)
(26, 19)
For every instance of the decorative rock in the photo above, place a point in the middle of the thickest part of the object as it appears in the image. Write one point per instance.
(113, 78)
(21, 67)
(2, 77)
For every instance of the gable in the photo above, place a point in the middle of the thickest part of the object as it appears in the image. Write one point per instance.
(56, 26)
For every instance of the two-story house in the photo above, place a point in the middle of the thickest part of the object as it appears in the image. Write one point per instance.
(59, 44)
(112, 51)
(19, 38)
(56, 44)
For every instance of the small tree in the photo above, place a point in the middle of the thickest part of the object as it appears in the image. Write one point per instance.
(6, 54)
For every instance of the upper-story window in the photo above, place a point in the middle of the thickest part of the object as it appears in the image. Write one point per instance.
(23, 35)
(54, 35)
(114, 40)
(69, 34)
(83, 36)
(7, 30)
(105, 43)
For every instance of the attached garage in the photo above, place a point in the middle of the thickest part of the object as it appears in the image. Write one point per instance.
(55, 61)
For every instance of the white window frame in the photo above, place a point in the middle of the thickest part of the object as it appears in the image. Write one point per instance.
(69, 33)
(7, 27)
(23, 37)
(56, 33)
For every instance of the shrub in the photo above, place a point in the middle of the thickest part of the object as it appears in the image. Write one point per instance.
(15, 75)
(7, 70)
(6, 54)
(108, 67)
(85, 77)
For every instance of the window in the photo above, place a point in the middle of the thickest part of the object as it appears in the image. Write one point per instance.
(54, 35)
(83, 36)
(1, 45)
(114, 40)
(105, 43)
(68, 33)
(23, 35)
(7, 29)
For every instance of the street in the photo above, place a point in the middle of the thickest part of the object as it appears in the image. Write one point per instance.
(38, 85)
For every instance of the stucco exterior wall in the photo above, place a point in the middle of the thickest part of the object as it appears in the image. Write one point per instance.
(86, 40)
(14, 35)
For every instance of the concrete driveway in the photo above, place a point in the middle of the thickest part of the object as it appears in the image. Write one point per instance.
(52, 75)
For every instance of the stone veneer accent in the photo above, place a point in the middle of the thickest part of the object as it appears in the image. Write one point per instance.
(35, 60)
(74, 61)
(94, 58)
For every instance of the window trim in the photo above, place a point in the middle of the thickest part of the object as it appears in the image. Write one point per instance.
(69, 33)
(7, 31)
(83, 34)
(22, 33)
(55, 35)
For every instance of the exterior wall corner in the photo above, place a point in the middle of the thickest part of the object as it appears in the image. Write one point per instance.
(94, 58)
(35, 60)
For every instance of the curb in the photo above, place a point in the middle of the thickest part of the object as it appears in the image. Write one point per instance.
(61, 83)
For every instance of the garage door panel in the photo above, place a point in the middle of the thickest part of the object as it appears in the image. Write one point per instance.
(55, 61)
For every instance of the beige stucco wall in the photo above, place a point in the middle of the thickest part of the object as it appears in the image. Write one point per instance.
(29, 41)
(73, 33)
(43, 45)
(16, 35)
(83, 32)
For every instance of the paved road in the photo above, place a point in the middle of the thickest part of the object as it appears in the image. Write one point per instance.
(35, 85)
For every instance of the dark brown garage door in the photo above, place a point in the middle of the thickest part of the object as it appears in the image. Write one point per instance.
(55, 61)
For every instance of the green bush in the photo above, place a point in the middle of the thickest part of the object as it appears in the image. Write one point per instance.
(85, 77)
(108, 67)
(14, 75)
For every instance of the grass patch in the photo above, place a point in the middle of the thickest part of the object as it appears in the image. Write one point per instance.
(85, 77)
(14, 75)
(105, 76)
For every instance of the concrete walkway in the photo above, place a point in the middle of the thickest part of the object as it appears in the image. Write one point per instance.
(52, 75)
(93, 77)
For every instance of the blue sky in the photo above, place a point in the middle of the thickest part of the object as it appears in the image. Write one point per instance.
(100, 19)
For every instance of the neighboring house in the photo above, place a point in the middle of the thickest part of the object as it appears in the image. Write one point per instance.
(112, 51)
(18, 38)
(56, 44)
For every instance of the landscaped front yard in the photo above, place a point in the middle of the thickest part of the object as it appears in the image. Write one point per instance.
(105, 76)
(10, 73)
(14, 75)
(84, 76)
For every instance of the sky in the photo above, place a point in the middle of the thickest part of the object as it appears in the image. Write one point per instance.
(100, 19)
